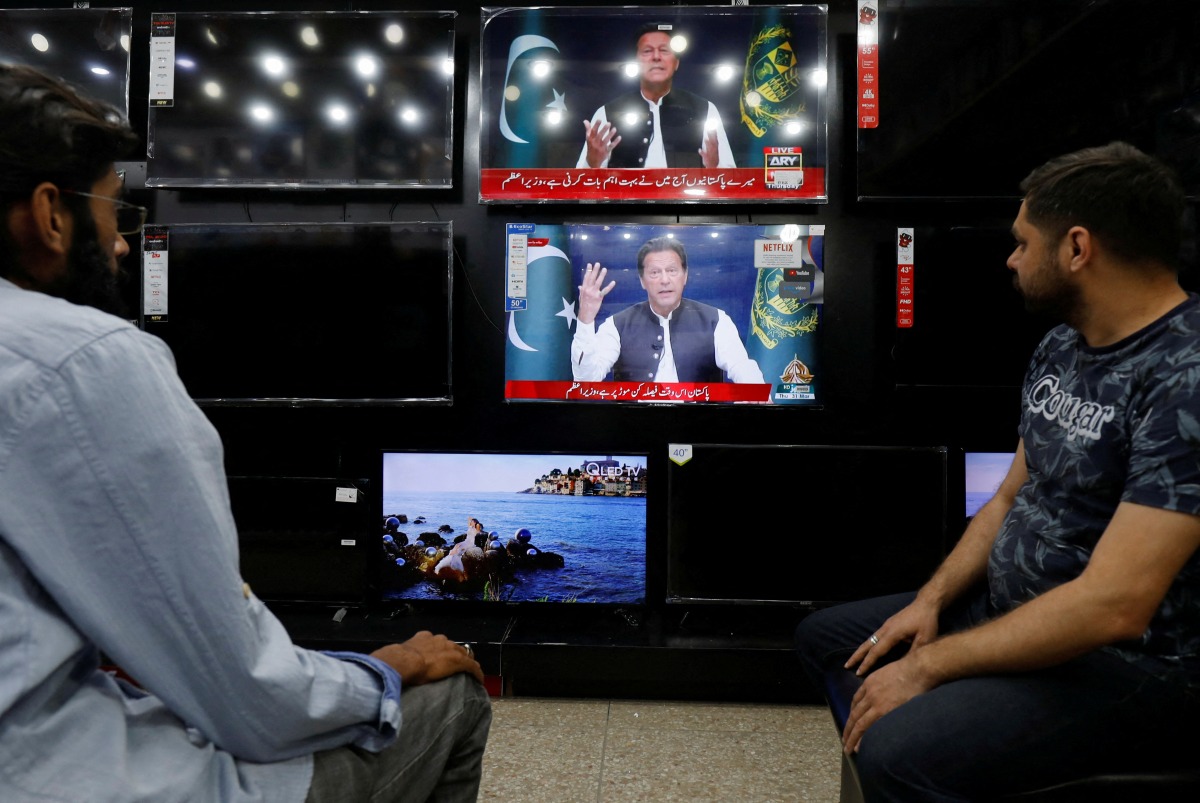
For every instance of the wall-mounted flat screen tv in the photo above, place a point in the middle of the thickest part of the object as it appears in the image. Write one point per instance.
(305, 99)
(969, 326)
(303, 313)
(972, 96)
(305, 539)
(805, 526)
(513, 527)
(701, 313)
(640, 103)
(87, 47)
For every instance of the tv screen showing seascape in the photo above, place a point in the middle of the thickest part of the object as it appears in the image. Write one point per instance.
(513, 527)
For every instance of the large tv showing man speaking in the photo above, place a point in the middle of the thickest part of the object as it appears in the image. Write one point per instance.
(696, 104)
(636, 313)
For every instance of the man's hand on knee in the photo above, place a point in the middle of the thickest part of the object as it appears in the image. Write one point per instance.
(884, 690)
(425, 658)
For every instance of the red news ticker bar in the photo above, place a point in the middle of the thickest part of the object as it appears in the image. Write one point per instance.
(662, 392)
(601, 184)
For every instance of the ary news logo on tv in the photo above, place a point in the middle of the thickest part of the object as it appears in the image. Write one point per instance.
(703, 103)
(716, 313)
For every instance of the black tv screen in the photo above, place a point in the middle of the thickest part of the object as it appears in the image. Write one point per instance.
(322, 99)
(87, 47)
(303, 313)
(805, 526)
(967, 324)
(972, 96)
(553, 528)
(304, 539)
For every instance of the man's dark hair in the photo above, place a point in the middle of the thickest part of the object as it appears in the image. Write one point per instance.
(660, 244)
(1131, 202)
(650, 27)
(50, 132)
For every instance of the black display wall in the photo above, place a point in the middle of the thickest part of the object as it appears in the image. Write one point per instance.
(865, 402)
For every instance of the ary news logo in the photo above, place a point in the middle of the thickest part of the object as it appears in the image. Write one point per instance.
(783, 167)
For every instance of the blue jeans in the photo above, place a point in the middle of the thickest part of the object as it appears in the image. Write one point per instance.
(986, 736)
(438, 755)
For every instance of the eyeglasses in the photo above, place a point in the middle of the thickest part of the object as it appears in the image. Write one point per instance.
(657, 273)
(130, 217)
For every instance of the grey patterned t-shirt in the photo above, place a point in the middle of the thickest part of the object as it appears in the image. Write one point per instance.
(1102, 426)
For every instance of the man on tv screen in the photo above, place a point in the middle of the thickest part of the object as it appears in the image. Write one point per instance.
(666, 338)
(117, 537)
(1060, 638)
(656, 126)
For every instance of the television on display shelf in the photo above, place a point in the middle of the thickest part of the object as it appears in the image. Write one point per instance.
(967, 323)
(301, 314)
(803, 526)
(87, 47)
(513, 527)
(982, 474)
(716, 313)
(305, 539)
(973, 96)
(667, 103)
(301, 99)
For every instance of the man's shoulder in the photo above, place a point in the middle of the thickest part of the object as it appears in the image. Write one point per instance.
(48, 330)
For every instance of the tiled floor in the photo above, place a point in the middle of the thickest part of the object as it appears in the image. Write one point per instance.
(596, 751)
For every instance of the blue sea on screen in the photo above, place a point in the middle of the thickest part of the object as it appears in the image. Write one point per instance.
(601, 539)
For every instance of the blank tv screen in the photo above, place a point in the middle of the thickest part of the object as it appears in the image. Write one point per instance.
(87, 47)
(973, 96)
(304, 539)
(303, 313)
(555, 528)
(321, 99)
(805, 526)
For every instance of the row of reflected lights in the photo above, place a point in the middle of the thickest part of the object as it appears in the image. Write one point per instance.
(722, 74)
(366, 67)
(41, 43)
(788, 233)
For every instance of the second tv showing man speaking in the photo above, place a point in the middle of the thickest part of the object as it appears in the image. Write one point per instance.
(664, 314)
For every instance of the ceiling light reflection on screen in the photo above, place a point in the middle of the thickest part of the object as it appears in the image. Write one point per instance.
(40, 43)
(366, 66)
(394, 34)
(262, 113)
(308, 35)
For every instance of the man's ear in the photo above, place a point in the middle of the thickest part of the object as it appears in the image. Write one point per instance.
(40, 230)
(49, 222)
(1080, 246)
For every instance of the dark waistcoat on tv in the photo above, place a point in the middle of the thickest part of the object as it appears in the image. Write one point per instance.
(681, 117)
(692, 325)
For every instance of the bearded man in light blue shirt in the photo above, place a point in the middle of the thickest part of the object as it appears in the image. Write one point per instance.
(96, 427)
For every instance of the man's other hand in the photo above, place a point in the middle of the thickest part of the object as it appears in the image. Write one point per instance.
(425, 658)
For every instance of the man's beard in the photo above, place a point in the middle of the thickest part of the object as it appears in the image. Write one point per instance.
(1050, 294)
(90, 279)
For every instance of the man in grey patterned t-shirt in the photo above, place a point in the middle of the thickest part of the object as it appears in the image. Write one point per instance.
(1061, 636)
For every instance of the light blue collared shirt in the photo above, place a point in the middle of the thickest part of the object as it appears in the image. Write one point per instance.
(116, 536)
